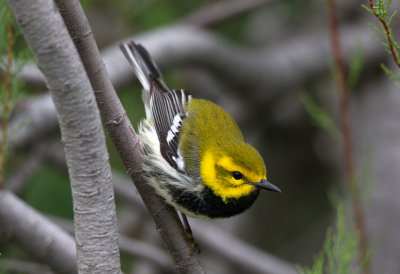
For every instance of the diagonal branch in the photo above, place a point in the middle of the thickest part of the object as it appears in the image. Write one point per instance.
(388, 34)
(35, 234)
(124, 138)
(19, 266)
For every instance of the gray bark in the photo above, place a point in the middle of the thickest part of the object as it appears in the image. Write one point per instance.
(82, 134)
(125, 140)
(35, 234)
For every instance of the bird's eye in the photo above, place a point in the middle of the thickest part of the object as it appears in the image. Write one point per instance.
(237, 175)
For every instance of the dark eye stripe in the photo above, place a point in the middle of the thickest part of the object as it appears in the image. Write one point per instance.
(237, 175)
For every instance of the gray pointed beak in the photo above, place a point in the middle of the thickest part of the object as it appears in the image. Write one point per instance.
(264, 184)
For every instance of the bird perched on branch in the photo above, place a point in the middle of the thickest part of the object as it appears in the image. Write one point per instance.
(195, 155)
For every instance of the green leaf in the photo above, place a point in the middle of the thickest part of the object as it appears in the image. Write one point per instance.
(355, 66)
(396, 46)
(339, 251)
(367, 8)
(389, 73)
(383, 44)
(320, 117)
(377, 30)
(391, 17)
(388, 2)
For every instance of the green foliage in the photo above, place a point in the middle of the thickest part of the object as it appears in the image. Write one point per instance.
(20, 48)
(164, 12)
(19, 56)
(381, 11)
(320, 117)
(340, 249)
(391, 75)
(293, 8)
(49, 192)
(11, 62)
(367, 175)
(355, 66)
(4, 19)
(145, 14)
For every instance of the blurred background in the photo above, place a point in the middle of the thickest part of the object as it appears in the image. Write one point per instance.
(270, 65)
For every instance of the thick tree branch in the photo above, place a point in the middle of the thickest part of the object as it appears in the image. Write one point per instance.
(131, 247)
(83, 138)
(221, 11)
(299, 59)
(147, 252)
(239, 252)
(124, 138)
(18, 266)
(35, 234)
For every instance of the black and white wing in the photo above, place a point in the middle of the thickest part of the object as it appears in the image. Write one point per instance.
(167, 106)
(168, 109)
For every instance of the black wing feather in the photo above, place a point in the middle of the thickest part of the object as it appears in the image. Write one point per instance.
(167, 106)
(168, 109)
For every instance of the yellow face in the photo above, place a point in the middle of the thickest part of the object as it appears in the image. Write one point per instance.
(228, 178)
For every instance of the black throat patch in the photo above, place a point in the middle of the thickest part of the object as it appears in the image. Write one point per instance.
(208, 204)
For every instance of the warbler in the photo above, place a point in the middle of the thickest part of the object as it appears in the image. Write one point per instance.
(195, 155)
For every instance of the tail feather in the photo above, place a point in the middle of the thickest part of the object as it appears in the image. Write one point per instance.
(165, 107)
(142, 63)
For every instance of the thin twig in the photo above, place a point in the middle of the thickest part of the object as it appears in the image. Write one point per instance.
(239, 252)
(352, 183)
(6, 98)
(387, 32)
